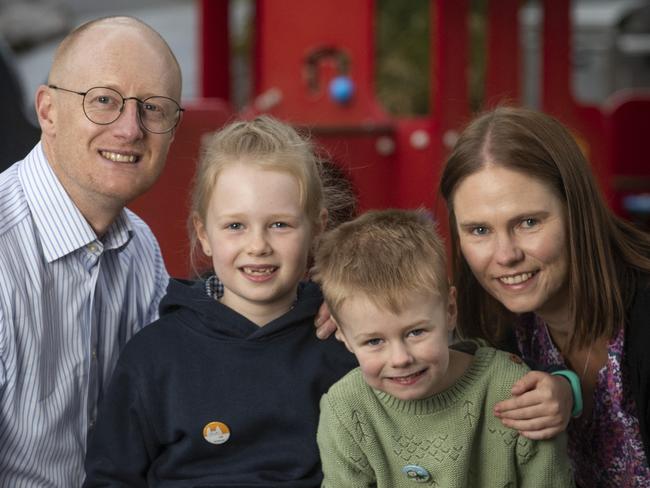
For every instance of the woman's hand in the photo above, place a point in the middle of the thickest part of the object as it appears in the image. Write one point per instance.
(540, 407)
(324, 323)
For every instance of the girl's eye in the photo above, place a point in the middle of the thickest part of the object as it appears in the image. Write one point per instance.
(479, 230)
(373, 342)
(279, 225)
(234, 226)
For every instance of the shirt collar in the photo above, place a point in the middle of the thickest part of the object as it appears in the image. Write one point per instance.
(61, 225)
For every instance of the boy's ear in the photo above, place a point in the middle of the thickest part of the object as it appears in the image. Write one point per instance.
(340, 335)
(452, 309)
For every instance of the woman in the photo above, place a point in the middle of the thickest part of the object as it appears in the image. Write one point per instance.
(535, 246)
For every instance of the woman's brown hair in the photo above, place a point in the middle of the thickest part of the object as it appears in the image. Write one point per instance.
(605, 252)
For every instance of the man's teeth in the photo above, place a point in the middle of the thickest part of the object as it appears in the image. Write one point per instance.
(515, 279)
(119, 158)
(258, 271)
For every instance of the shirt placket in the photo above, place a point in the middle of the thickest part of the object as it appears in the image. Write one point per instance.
(92, 260)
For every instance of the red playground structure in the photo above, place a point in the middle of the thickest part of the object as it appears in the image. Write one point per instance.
(314, 66)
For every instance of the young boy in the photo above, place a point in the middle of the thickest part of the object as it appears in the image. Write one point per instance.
(415, 410)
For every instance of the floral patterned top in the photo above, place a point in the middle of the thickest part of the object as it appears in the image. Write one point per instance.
(605, 447)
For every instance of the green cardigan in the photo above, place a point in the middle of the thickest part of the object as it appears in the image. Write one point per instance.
(367, 438)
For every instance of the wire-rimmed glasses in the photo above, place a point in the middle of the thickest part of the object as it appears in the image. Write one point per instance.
(103, 106)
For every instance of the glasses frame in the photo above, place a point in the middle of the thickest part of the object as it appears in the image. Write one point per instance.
(124, 100)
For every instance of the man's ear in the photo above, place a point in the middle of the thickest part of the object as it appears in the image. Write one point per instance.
(45, 110)
(452, 309)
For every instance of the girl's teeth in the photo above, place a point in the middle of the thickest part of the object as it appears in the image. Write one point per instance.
(259, 271)
(516, 279)
(119, 158)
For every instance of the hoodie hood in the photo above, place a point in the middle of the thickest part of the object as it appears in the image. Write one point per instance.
(190, 303)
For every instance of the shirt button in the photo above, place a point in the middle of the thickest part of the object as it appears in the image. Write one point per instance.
(91, 424)
(92, 248)
(93, 354)
(416, 473)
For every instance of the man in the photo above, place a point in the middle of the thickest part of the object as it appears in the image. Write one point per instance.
(80, 274)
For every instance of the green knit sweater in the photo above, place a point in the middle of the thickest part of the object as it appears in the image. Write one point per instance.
(366, 437)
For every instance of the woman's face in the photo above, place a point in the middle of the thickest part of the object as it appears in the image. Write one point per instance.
(513, 234)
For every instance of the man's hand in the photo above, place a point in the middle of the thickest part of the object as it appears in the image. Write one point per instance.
(324, 323)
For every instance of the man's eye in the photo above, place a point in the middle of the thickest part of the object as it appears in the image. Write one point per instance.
(104, 101)
(151, 107)
(479, 230)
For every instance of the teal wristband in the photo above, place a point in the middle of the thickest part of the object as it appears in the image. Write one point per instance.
(574, 381)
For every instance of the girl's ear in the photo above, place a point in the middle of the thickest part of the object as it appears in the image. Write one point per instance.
(323, 220)
(202, 235)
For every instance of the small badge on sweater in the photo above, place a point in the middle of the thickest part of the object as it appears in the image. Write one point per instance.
(216, 432)
(416, 473)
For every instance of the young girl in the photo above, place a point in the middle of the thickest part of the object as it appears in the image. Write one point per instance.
(223, 390)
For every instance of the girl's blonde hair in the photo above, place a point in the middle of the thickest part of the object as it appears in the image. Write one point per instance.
(264, 142)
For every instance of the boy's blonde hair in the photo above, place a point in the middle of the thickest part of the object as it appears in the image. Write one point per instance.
(386, 255)
(267, 143)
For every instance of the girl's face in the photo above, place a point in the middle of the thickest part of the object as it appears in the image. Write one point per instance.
(512, 231)
(259, 237)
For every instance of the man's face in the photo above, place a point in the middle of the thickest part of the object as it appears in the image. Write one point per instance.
(103, 167)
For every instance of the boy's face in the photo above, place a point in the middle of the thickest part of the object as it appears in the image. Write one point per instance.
(404, 354)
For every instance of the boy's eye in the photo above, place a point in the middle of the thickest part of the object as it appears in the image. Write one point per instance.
(373, 342)
(235, 226)
(279, 225)
(416, 332)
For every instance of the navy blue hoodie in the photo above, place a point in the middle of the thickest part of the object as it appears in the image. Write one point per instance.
(205, 398)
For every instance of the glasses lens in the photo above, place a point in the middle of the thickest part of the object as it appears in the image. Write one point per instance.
(159, 114)
(102, 105)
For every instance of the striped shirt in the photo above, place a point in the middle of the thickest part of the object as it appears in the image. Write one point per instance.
(69, 301)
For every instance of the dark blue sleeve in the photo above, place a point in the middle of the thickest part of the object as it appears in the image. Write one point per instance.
(122, 445)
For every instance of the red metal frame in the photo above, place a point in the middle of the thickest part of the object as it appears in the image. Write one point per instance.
(299, 46)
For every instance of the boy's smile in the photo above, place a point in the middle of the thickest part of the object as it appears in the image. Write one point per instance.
(404, 354)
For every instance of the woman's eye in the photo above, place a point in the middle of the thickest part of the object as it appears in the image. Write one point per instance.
(529, 222)
(479, 230)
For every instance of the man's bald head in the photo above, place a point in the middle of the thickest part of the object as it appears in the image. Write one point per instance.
(64, 60)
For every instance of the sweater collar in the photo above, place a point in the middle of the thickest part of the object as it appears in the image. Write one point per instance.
(445, 399)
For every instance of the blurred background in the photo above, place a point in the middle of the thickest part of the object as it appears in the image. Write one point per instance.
(384, 86)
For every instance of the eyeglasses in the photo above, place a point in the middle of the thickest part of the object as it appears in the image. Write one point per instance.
(104, 106)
